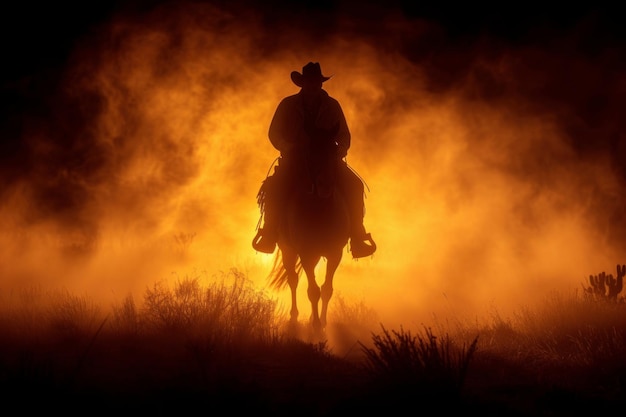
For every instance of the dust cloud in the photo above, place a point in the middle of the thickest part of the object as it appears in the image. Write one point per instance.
(494, 169)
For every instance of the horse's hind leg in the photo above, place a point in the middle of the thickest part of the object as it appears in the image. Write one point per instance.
(332, 264)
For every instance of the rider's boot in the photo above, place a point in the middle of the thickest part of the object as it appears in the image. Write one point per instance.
(361, 242)
(267, 236)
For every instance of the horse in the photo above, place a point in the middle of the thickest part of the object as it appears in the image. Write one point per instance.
(315, 225)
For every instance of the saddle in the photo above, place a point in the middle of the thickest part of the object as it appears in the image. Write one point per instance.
(278, 188)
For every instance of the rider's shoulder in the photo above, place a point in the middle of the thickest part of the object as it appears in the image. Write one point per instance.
(332, 102)
(289, 100)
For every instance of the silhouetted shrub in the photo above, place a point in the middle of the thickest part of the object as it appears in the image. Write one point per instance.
(407, 367)
(232, 309)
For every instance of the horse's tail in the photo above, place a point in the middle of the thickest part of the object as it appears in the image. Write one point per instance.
(278, 275)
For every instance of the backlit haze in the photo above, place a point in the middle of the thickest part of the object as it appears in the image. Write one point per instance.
(495, 167)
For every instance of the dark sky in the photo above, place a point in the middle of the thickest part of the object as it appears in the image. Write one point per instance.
(36, 36)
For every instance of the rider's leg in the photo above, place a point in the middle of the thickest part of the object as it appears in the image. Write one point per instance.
(361, 242)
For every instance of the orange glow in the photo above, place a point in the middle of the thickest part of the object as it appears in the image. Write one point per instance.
(474, 204)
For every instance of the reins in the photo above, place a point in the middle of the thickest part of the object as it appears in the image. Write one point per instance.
(357, 174)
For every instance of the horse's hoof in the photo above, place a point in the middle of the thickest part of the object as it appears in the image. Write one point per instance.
(317, 327)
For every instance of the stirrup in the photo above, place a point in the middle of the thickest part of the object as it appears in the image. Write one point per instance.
(263, 243)
(360, 249)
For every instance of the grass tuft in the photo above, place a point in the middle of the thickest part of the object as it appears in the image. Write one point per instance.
(421, 365)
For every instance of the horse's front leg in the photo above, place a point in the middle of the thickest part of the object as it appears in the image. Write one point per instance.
(332, 263)
(313, 291)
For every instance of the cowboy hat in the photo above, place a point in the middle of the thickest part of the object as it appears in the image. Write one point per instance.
(311, 71)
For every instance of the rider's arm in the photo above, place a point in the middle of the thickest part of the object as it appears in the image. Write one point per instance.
(343, 135)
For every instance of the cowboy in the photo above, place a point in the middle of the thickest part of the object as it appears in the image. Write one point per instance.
(302, 119)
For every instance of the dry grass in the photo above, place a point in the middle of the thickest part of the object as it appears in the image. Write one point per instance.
(421, 367)
(223, 344)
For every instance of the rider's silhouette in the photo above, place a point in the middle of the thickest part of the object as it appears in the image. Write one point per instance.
(303, 119)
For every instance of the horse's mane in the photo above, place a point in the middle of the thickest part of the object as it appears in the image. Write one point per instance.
(278, 275)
